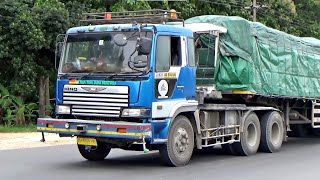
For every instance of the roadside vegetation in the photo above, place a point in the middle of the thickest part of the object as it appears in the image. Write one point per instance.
(28, 31)
(18, 128)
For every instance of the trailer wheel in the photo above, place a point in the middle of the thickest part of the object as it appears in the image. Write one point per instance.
(179, 147)
(97, 153)
(250, 137)
(272, 132)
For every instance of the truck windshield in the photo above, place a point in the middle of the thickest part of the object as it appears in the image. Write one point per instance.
(97, 52)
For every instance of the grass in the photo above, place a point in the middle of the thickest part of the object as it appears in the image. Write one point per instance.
(16, 129)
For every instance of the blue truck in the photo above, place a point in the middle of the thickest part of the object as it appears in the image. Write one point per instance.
(139, 81)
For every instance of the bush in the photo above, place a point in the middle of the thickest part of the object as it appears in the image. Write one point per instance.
(14, 111)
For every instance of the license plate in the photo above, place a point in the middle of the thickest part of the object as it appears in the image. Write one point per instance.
(87, 141)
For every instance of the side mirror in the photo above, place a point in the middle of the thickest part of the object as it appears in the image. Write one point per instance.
(59, 45)
(120, 40)
(145, 46)
(58, 52)
(140, 61)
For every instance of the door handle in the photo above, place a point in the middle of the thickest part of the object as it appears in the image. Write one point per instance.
(180, 87)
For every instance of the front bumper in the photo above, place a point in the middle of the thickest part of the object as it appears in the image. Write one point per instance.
(79, 127)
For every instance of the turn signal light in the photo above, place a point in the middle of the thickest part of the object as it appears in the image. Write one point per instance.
(173, 14)
(122, 130)
(107, 16)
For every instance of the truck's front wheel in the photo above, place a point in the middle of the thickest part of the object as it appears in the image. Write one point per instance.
(97, 153)
(179, 147)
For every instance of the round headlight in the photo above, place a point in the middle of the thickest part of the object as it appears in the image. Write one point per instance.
(98, 127)
(67, 125)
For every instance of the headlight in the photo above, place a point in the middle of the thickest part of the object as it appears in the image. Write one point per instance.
(62, 109)
(98, 127)
(136, 112)
(67, 125)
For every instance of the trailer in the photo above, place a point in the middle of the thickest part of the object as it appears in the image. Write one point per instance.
(148, 80)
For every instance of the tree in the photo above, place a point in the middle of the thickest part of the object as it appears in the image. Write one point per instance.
(130, 5)
(308, 16)
(27, 41)
(279, 14)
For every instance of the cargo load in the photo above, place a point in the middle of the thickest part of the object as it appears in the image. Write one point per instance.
(259, 59)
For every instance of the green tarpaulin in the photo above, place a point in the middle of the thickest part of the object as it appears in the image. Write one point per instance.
(263, 60)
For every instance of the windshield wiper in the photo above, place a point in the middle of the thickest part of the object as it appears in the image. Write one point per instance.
(117, 74)
(112, 76)
(64, 75)
(69, 73)
(92, 73)
(109, 76)
(126, 73)
(85, 75)
(141, 73)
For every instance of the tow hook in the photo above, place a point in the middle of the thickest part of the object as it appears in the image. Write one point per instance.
(82, 128)
(145, 149)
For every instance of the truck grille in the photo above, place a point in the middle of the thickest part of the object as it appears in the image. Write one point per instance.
(99, 101)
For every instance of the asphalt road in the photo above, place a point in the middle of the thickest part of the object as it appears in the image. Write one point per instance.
(299, 159)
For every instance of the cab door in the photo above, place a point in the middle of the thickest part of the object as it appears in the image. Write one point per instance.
(174, 77)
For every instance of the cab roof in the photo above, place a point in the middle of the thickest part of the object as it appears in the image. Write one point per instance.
(170, 29)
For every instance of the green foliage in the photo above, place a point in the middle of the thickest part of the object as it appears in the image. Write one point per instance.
(219, 7)
(279, 14)
(308, 17)
(9, 118)
(130, 5)
(13, 109)
(27, 41)
(20, 128)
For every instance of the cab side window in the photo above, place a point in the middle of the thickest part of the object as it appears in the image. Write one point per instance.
(175, 51)
(163, 54)
(168, 53)
(191, 56)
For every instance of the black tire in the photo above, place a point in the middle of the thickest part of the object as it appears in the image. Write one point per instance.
(250, 137)
(97, 153)
(272, 132)
(181, 131)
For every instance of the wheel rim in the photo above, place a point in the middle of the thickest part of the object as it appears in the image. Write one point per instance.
(252, 134)
(181, 141)
(275, 133)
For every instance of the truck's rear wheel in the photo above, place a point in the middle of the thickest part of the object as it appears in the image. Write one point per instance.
(179, 147)
(272, 131)
(250, 137)
(97, 153)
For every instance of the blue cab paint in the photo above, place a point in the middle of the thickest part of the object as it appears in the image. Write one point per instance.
(142, 92)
